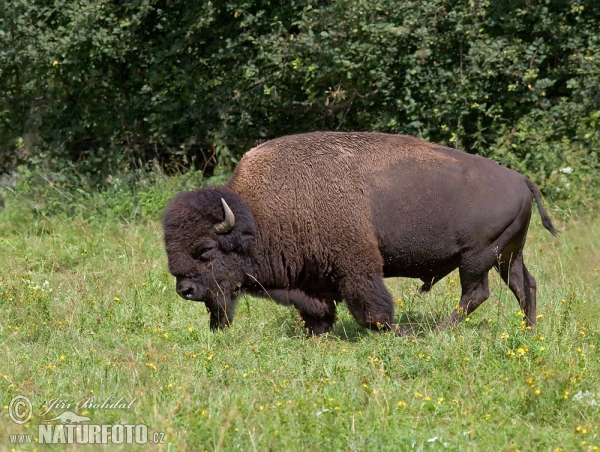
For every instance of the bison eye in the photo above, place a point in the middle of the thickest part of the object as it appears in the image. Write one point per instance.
(204, 253)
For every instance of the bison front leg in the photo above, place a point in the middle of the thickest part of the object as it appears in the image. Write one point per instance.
(369, 302)
(320, 323)
(318, 315)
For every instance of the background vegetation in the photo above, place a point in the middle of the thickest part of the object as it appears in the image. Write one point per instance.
(114, 85)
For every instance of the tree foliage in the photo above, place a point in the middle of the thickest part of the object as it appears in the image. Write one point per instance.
(107, 83)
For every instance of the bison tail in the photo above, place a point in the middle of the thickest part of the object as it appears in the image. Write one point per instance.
(546, 222)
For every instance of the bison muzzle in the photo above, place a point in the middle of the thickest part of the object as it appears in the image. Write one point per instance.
(315, 219)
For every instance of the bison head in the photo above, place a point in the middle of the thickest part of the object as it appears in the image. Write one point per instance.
(208, 236)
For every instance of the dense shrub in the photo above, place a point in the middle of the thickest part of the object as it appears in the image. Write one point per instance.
(141, 194)
(109, 84)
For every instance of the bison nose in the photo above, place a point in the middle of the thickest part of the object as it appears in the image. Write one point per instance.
(189, 290)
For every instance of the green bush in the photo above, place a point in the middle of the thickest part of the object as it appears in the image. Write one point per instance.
(109, 84)
(137, 195)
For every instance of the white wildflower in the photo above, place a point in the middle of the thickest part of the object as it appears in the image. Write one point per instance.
(587, 398)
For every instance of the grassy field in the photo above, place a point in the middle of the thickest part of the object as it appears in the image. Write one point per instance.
(89, 310)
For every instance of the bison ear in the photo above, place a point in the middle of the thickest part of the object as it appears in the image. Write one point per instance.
(246, 241)
(236, 241)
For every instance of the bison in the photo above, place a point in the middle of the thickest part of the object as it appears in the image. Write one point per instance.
(314, 219)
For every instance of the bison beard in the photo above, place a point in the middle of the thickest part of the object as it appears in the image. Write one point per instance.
(312, 220)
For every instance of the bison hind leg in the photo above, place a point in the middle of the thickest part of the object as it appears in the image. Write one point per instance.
(523, 286)
(475, 290)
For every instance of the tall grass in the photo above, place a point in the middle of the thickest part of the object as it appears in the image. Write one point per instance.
(88, 309)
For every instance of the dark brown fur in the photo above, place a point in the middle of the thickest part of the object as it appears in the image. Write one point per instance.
(324, 217)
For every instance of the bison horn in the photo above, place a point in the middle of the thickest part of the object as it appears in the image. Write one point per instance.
(229, 222)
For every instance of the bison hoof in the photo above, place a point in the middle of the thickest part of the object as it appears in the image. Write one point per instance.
(319, 330)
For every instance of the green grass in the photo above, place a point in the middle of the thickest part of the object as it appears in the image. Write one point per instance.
(88, 309)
